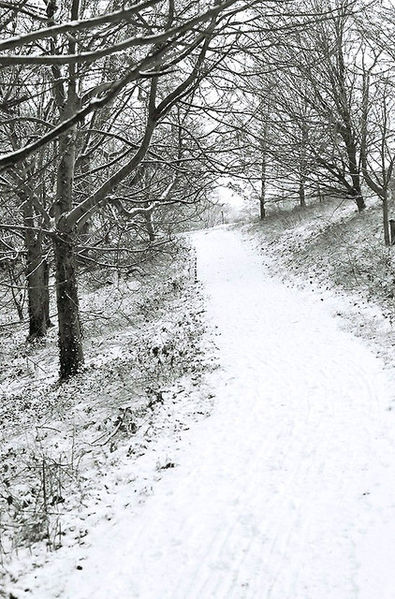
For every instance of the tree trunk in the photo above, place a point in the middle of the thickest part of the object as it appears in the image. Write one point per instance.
(37, 289)
(386, 224)
(354, 169)
(70, 335)
(262, 199)
(36, 274)
(392, 231)
(302, 194)
(71, 355)
(46, 296)
(149, 225)
(356, 195)
(262, 209)
(15, 289)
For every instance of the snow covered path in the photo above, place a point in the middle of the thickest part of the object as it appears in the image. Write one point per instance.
(288, 490)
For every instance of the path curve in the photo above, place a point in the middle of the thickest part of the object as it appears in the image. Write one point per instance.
(288, 490)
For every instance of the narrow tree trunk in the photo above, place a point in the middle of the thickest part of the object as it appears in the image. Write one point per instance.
(46, 296)
(149, 225)
(262, 198)
(37, 288)
(392, 230)
(386, 224)
(356, 191)
(15, 290)
(71, 355)
(36, 274)
(302, 194)
(347, 130)
(70, 336)
(357, 197)
(262, 208)
(303, 167)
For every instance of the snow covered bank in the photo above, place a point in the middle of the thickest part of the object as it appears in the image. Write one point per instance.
(339, 256)
(66, 451)
(285, 492)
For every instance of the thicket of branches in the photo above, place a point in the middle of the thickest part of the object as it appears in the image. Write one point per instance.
(310, 104)
(118, 119)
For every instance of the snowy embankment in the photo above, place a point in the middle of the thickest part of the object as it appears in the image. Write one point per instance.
(340, 257)
(285, 492)
(67, 451)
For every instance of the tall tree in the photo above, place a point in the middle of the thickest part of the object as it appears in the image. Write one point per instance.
(152, 40)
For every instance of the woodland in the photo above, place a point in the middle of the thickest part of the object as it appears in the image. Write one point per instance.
(126, 128)
(118, 122)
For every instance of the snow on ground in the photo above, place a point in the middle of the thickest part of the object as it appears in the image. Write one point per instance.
(339, 255)
(285, 492)
(66, 450)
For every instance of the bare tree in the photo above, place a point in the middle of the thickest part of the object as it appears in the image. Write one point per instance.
(154, 42)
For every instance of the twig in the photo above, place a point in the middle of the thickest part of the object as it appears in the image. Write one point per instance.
(120, 423)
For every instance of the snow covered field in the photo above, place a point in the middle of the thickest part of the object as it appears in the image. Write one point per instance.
(287, 491)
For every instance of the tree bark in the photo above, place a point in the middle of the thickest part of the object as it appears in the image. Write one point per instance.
(70, 334)
(302, 194)
(37, 288)
(262, 209)
(262, 198)
(149, 224)
(357, 196)
(354, 169)
(386, 224)
(46, 298)
(392, 230)
(37, 274)
(263, 147)
(71, 354)
(15, 292)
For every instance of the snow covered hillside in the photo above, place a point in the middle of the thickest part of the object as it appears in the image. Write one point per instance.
(339, 256)
(285, 492)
